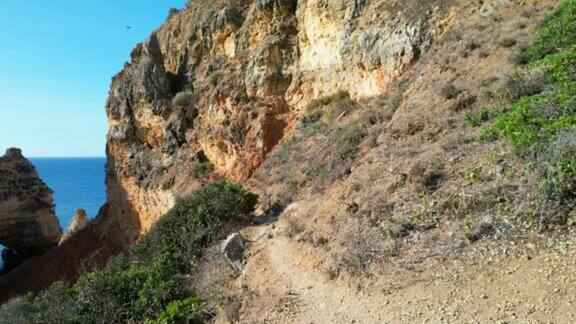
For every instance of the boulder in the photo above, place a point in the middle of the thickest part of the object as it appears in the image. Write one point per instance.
(233, 249)
(28, 224)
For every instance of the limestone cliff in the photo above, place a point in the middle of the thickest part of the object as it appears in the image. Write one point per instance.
(221, 82)
(28, 224)
(78, 222)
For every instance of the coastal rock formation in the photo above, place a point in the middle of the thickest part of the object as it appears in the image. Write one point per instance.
(222, 82)
(78, 222)
(28, 225)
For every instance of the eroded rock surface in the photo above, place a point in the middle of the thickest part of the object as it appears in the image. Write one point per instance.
(28, 224)
(78, 222)
(233, 250)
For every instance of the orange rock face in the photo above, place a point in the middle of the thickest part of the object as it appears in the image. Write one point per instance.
(85, 250)
(221, 83)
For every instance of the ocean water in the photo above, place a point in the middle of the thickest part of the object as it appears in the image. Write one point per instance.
(76, 182)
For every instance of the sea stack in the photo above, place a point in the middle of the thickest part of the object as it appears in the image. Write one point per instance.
(28, 223)
(78, 222)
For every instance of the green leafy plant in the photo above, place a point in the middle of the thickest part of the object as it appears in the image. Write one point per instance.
(540, 120)
(200, 169)
(556, 35)
(181, 311)
(479, 117)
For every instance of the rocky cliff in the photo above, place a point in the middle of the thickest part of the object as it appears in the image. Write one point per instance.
(222, 83)
(389, 179)
(28, 224)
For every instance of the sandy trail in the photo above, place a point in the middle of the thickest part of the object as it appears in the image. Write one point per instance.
(285, 281)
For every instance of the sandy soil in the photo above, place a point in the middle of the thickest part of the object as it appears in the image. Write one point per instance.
(286, 281)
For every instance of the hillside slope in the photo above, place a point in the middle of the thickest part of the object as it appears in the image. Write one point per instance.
(358, 124)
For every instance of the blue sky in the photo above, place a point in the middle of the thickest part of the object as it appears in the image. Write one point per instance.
(56, 61)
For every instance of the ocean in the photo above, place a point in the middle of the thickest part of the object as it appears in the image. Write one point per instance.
(76, 182)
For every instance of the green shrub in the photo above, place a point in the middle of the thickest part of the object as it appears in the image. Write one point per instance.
(556, 35)
(128, 289)
(181, 311)
(479, 117)
(58, 304)
(183, 98)
(349, 139)
(524, 83)
(336, 98)
(144, 283)
(560, 181)
(540, 121)
(523, 125)
(20, 310)
(199, 170)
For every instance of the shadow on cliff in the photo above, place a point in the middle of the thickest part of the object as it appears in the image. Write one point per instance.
(85, 249)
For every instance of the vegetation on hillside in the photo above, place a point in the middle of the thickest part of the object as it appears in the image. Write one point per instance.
(540, 121)
(183, 98)
(200, 169)
(322, 149)
(148, 283)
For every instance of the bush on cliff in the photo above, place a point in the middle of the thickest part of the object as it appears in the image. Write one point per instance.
(540, 120)
(199, 170)
(183, 98)
(146, 283)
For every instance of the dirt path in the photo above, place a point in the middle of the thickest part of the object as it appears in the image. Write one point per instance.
(285, 281)
(323, 300)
